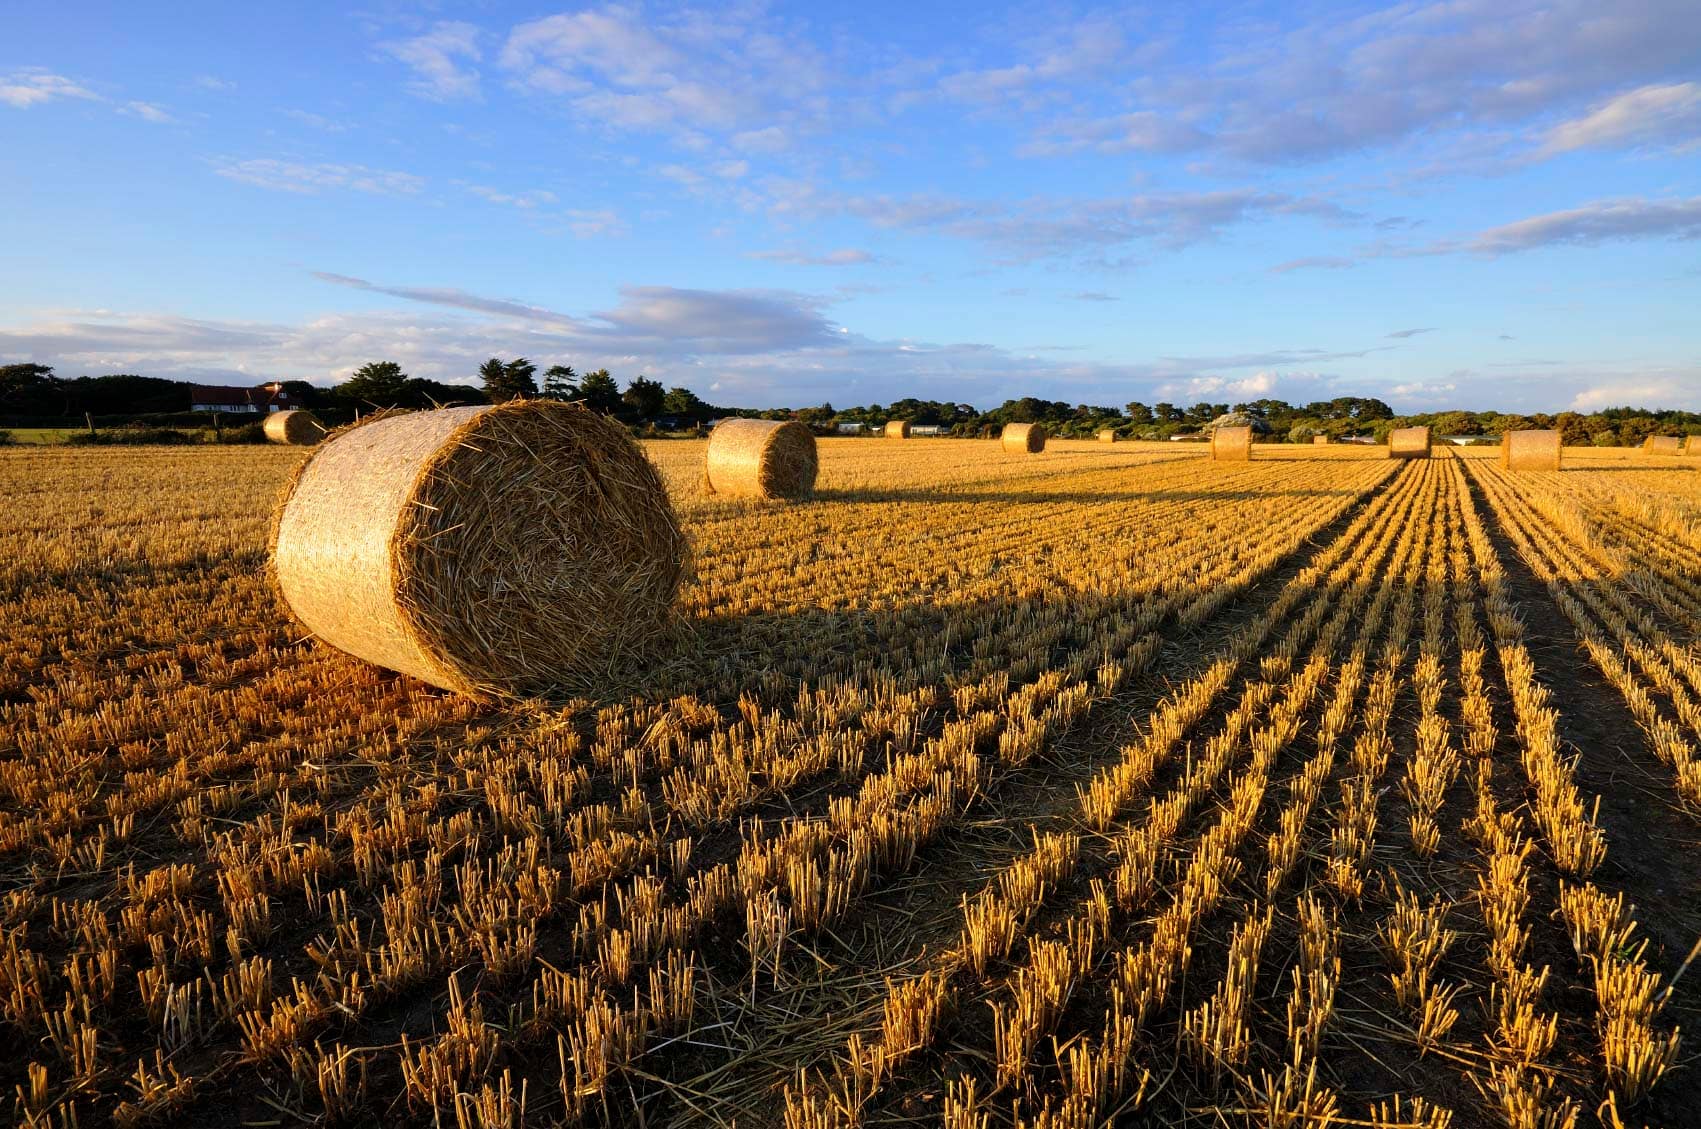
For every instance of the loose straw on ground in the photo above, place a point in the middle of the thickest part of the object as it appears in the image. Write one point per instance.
(297, 428)
(1023, 438)
(1530, 450)
(1231, 444)
(1408, 443)
(897, 429)
(493, 551)
(1663, 445)
(1107, 436)
(760, 458)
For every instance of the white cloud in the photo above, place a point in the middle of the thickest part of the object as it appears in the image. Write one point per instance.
(311, 179)
(436, 59)
(527, 200)
(148, 112)
(33, 86)
(1647, 115)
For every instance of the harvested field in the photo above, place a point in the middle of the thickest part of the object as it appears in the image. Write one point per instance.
(1114, 785)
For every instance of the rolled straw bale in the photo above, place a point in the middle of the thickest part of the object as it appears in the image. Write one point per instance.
(1530, 450)
(487, 550)
(298, 428)
(1107, 436)
(897, 429)
(1663, 445)
(1023, 438)
(761, 458)
(1231, 444)
(1408, 443)
(1320, 440)
(1692, 445)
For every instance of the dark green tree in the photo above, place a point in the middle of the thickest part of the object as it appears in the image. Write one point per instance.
(684, 403)
(560, 382)
(644, 398)
(599, 392)
(31, 389)
(504, 380)
(376, 384)
(1139, 413)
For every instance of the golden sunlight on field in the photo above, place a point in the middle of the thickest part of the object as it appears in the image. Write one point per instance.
(984, 788)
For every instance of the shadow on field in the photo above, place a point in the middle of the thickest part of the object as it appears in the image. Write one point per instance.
(1059, 497)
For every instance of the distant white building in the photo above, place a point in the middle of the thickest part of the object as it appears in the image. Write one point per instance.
(852, 428)
(927, 429)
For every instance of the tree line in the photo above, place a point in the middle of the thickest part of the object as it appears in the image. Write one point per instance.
(34, 390)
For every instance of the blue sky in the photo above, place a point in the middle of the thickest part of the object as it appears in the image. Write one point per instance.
(1480, 203)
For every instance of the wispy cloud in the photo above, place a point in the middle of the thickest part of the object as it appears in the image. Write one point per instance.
(455, 299)
(309, 179)
(1314, 262)
(1403, 333)
(148, 112)
(32, 86)
(1094, 296)
(439, 60)
(1596, 222)
(1648, 115)
(526, 200)
(843, 257)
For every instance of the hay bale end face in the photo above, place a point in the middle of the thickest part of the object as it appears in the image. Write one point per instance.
(1663, 445)
(761, 458)
(1023, 438)
(1530, 450)
(1231, 444)
(897, 429)
(1408, 443)
(296, 428)
(1107, 436)
(495, 551)
(1320, 440)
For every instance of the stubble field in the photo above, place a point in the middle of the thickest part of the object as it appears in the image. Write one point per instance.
(1102, 785)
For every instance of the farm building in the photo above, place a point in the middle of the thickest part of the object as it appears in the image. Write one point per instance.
(226, 398)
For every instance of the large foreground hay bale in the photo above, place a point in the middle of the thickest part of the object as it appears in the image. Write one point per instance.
(1023, 438)
(298, 428)
(488, 550)
(1663, 445)
(1107, 436)
(1231, 444)
(1408, 443)
(761, 458)
(1530, 450)
(897, 429)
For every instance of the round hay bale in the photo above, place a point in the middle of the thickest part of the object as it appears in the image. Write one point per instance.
(1530, 450)
(1023, 438)
(1321, 441)
(1692, 445)
(897, 429)
(1107, 436)
(1231, 444)
(761, 458)
(1663, 445)
(1408, 443)
(296, 428)
(492, 551)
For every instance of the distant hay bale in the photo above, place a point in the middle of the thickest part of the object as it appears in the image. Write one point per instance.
(1320, 440)
(1692, 445)
(897, 429)
(1530, 450)
(1231, 444)
(1024, 438)
(1107, 436)
(297, 428)
(1663, 445)
(492, 551)
(1408, 443)
(760, 458)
